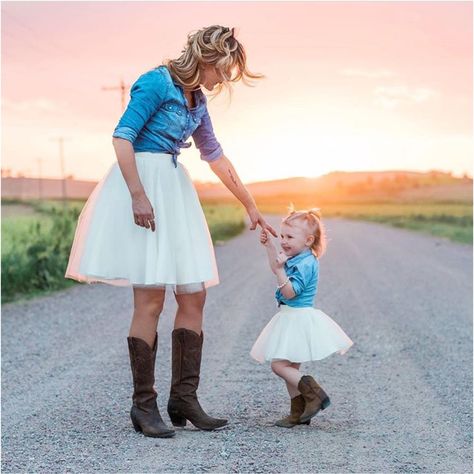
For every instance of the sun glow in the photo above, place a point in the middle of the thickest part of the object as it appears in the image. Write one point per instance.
(325, 103)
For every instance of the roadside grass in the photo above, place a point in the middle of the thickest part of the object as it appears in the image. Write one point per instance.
(225, 220)
(34, 253)
(36, 244)
(449, 220)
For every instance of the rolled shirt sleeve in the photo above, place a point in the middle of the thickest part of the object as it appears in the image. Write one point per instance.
(206, 141)
(302, 276)
(146, 96)
(298, 281)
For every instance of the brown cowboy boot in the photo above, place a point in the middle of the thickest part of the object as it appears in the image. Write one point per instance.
(144, 412)
(293, 419)
(314, 396)
(183, 403)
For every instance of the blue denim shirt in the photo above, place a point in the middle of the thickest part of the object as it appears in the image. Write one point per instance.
(158, 118)
(303, 272)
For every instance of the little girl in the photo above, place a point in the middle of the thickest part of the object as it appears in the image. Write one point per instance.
(298, 332)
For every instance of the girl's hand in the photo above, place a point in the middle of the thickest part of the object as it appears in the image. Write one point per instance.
(143, 211)
(257, 219)
(264, 239)
(281, 259)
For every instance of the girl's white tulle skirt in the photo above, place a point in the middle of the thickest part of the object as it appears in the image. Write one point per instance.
(300, 335)
(110, 248)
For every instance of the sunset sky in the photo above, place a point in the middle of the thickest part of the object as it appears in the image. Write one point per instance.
(349, 85)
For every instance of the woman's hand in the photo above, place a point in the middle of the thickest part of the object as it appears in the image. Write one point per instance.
(257, 219)
(143, 211)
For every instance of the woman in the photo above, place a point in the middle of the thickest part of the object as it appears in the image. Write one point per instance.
(166, 242)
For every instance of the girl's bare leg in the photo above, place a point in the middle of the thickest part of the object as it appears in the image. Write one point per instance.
(289, 372)
(148, 304)
(294, 392)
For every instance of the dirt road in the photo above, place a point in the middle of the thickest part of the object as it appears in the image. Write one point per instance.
(401, 397)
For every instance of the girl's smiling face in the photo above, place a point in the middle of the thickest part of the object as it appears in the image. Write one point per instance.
(295, 238)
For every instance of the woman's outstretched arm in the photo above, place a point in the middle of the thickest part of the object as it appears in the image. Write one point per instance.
(225, 171)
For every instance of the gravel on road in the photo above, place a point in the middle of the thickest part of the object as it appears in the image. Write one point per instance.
(401, 397)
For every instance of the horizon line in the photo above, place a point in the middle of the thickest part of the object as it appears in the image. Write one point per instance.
(465, 175)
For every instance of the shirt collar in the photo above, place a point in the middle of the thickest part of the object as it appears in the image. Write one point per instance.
(291, 262)
(198, 94)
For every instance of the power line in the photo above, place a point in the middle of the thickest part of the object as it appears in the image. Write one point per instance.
(40, 179)
(41, 47)
(38, 43)
(61, 160)
(38, 35)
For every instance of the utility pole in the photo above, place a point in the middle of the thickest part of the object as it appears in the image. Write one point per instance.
(20, 181)
(61, 160)
(40, 180)
(122, 87)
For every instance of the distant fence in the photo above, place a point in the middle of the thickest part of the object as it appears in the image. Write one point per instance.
(34, 188)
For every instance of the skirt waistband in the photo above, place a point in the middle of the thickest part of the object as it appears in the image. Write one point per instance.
(285, 307)
(153, 154)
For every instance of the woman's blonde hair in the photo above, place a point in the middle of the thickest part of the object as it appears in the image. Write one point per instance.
(217, 46)
(312, 219)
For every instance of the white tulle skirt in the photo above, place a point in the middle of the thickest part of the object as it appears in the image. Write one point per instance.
(300, 335)
(110, 248)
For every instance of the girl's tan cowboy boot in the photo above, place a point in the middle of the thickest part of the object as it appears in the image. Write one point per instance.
(296, 410)
(314, 396)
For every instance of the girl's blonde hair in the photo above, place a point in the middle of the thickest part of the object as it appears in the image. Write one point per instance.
(312, 219)
(217, 46)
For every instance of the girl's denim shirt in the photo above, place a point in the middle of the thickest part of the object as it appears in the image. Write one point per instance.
(158, 119)
(303, 272)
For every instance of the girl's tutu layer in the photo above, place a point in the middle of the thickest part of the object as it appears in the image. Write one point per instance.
(300, 335)
(110, 248)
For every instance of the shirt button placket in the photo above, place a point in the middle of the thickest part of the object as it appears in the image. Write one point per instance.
(186, 128)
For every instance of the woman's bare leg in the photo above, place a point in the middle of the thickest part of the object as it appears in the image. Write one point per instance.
(186, 355)
(148, 304)
(190, 311)
(145, 415)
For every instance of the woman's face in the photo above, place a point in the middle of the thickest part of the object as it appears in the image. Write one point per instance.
(210, 76)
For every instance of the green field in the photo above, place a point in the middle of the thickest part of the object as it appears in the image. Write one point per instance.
(37, 238)
(224, 220)
(449, 220)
